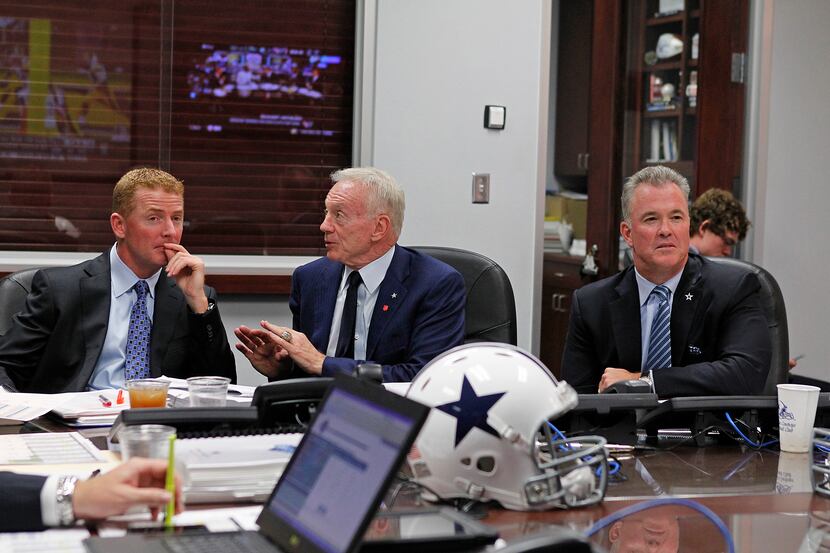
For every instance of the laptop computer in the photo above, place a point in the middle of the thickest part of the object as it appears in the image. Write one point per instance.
(331, 488)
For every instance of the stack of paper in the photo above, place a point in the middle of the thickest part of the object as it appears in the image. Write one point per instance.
(88, 408)
(48, 449)
(233, 468)
(74, 409)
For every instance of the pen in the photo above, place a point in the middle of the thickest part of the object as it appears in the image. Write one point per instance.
(170, 483)
(120, 399)
(799, 356)
(104, 401)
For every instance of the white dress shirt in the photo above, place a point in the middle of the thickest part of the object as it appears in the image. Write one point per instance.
(367, 295)
(648, 306)
(109, 369)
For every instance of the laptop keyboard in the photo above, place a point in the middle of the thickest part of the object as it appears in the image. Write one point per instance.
(245, 542)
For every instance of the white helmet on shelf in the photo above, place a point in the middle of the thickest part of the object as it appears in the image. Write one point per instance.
(668, 46)
(487, 436)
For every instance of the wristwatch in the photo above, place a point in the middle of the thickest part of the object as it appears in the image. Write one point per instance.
(211, 306)
(647, 378)
(66, 487)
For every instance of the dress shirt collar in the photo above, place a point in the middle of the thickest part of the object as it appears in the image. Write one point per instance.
(123, 278)
(645, 286)
(373, 273)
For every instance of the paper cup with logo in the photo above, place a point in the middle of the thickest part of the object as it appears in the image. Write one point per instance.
(797, 405)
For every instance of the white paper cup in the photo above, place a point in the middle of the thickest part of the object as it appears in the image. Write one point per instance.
(797, 405)
(145, 440)
(208, 391)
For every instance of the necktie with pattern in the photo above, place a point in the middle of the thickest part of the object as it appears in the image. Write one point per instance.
(659, 344)
(137, 358)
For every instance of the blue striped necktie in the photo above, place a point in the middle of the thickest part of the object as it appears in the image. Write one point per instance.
(137, 356)
(659, 344)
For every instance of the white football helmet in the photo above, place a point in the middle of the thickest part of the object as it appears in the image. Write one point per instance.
(487, 436)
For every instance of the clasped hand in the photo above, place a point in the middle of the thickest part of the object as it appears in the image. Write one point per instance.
(267, 347)
(612, 375)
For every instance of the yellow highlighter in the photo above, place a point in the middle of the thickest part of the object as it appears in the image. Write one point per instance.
(170, 482)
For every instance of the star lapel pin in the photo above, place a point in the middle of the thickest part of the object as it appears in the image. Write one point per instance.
(394, 295)
(689, 296)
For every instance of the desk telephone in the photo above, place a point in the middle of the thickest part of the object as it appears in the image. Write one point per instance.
(277, 407)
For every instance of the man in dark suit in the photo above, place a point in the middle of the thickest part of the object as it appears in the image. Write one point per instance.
(118, 316)
(676, 320)
(368, 300)
(30, 502)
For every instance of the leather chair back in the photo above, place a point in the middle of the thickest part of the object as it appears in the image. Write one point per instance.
(772, 303)
(490, 314)
(13, 291)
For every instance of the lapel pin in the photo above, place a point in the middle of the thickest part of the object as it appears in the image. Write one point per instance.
(394, 295)
(689, 296)
(385, 307)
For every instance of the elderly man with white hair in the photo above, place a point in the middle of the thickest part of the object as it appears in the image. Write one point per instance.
(368, 300)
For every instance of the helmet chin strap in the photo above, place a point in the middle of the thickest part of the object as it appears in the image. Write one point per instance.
(579, 483)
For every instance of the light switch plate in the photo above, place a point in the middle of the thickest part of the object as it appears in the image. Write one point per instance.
(494, 117)
(481, 188)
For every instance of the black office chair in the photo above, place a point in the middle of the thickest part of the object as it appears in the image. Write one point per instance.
(772, 302)
(490, 314)
(13, 291)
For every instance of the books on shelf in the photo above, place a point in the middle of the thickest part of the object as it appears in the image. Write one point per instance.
(662, 142)
(661, 106)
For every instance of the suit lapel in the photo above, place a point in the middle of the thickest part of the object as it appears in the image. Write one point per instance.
(687, 300)
(168, 303)
(391, 295)
(325, 292)
(625, 321)
(95, 289)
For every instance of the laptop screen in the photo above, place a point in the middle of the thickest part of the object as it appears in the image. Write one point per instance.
(335, 477)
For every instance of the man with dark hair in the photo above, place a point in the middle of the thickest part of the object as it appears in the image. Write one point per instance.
(683, 324)
(118, 317)
(717, 223)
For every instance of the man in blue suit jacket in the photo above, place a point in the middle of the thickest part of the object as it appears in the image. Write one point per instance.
(410, 307)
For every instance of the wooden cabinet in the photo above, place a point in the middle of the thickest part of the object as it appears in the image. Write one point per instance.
(684, 90)
(572, 86)
(558, 284)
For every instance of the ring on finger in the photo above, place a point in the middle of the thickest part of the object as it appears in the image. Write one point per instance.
(285, 335)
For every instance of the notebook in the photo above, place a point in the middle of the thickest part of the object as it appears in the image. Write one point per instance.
(331, 488)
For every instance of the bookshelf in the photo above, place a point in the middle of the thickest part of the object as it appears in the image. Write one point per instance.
(664, 69)
(679, 84)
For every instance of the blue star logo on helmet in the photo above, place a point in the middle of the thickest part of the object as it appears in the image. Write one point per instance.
(470, 411)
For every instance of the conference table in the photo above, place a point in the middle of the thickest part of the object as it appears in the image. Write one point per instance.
(764, 497)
